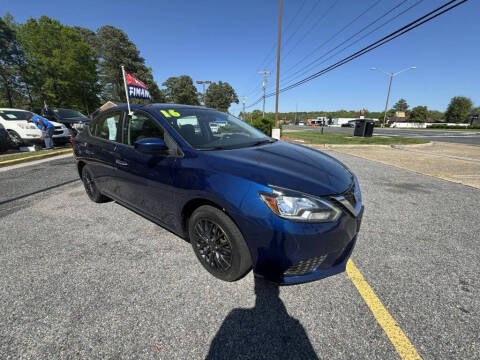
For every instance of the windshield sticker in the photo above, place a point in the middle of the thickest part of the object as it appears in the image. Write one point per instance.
(170, 113)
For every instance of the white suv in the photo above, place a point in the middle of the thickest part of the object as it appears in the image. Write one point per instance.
(22, 132)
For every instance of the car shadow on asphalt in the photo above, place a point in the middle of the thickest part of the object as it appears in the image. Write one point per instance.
(266, 331)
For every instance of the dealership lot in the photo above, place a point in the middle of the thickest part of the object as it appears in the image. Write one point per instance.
(83, 280)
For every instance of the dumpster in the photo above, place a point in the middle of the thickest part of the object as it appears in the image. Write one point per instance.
(364, 127)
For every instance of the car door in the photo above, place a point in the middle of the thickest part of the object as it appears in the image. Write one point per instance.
(101, 150)
(146, 180)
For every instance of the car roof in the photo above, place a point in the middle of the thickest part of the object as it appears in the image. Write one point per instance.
(157, 106)
(11, 109)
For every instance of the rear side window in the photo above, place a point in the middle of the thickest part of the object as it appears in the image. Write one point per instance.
(108, 127)
(14, 114)
(140, 126)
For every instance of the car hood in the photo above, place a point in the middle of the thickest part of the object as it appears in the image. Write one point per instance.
(285, 165)
(54, 123)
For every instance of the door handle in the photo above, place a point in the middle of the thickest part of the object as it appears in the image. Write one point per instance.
(120, 162)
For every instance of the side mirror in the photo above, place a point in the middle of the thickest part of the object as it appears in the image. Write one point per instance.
(151, 146)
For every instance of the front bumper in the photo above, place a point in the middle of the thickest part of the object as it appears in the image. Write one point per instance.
(289, 252)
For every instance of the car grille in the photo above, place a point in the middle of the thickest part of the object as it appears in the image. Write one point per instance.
(58, 130)
(305, 266)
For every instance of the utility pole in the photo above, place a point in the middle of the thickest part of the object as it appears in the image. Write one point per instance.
(264, 84)
(391, 75)
(243, 112)
(203, 83)
(276, 129)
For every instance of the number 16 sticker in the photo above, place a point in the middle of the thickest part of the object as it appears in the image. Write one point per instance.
(170, 113)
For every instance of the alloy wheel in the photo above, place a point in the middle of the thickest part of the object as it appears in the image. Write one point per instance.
(213, 245)
(89, 185)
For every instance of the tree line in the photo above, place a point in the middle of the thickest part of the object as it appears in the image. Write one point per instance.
(458, 111)
(43, 60)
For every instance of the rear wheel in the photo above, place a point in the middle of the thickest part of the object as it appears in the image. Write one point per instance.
(219, 244)
(90, 187)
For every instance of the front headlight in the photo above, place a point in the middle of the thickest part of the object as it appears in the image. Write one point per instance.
(300, 207)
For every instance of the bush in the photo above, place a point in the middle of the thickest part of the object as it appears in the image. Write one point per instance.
(445, 126)
(265, 126)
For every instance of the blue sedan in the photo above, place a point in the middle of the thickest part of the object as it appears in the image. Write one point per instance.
(242, 199)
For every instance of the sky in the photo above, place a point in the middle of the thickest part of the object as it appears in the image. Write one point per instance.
(231, 40)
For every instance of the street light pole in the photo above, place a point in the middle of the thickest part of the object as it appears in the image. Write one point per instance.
(243, 112)
(203, 84)
(264, 85)
(391, 75)
(276, 130)
(386, 103)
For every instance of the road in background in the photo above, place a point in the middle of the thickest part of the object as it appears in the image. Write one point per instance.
(86, 280)
(462, 137)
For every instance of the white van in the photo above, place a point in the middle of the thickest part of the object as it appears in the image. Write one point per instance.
(25, 133)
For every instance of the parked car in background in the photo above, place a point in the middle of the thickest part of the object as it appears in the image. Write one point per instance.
(301, 123)
(4, 139)
(72, 119)
(350, 124)
(23, 133)
(242, 199)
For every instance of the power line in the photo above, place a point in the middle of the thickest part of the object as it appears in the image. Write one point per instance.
(272, 49)
(384, 40)
(332, 37)
(315, 24)
(401, 31)
(311, 65)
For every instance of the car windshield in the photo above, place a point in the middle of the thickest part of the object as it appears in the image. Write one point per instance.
(67, 113)
(14, 114)
(206, 129)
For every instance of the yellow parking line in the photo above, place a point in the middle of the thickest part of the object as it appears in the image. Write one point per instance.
(403, 346)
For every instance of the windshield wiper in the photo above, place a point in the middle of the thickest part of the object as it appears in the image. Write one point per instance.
(213, 148)
(261, 142)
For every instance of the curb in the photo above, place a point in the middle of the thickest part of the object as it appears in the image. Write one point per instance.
(34, 157)
(339, 146)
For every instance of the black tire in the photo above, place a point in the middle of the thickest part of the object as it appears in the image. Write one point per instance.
(218, 244)
(90, 187)
(15, 139)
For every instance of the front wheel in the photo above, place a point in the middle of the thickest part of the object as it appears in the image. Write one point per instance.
(91, 188)
(219, 244)
(15, 139)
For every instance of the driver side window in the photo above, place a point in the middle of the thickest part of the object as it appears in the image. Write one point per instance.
(141, 126)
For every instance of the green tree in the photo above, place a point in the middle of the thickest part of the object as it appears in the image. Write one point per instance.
(401, 105)
(220, 96)
(61, 66)
(459, 109)
(88, 36)
(418, 114)
(115, 49)
(12, 62)
(180, 90)
(436, 115)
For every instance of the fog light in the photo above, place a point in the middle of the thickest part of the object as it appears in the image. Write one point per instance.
(305, 266)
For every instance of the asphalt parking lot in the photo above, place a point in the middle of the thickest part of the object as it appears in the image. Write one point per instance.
(84, 280)
(460, 137)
